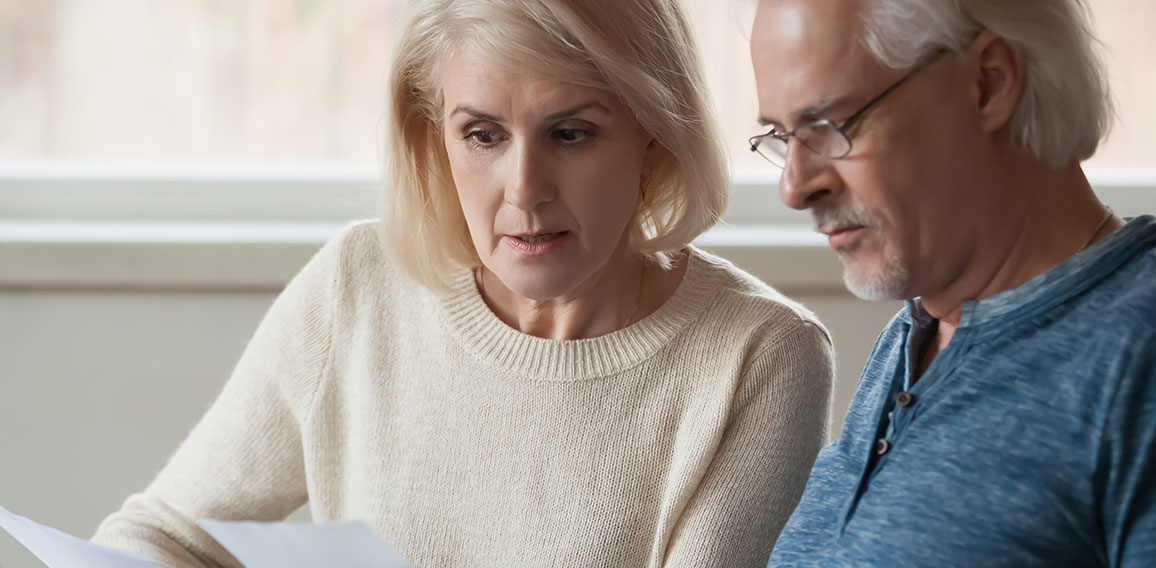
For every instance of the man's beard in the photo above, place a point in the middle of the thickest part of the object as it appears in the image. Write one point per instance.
(886, 282)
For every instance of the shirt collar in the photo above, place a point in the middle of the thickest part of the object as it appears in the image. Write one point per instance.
(1058, 284)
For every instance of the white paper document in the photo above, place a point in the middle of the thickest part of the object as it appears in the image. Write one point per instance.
(289, 545)
(60, 550)
(255, 545)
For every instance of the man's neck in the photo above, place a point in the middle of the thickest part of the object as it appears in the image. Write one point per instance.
(1057, 214)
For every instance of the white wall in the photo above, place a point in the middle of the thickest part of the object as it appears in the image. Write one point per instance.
(97, 388)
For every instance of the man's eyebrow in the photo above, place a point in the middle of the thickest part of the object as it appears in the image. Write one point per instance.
(577, 109)
(817, 110)
(812, 112)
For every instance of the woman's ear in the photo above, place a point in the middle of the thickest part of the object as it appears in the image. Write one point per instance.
(653, 156)
(998, 80)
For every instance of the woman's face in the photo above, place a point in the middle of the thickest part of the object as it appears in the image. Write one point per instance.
(548, 175)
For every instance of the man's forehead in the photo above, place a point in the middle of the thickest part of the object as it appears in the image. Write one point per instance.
(807, 57)
(832, 25)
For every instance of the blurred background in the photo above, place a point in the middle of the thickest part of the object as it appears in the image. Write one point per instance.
(213, 82)
(167, 165)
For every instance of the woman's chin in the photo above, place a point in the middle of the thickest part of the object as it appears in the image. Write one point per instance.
(537, 287)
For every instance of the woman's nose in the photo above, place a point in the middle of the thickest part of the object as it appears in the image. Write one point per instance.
(529, 181)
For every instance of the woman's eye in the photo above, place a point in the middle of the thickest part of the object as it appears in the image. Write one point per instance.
(571, 135)
(481, 138)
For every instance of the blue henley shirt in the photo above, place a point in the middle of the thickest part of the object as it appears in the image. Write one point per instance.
(1029, 441)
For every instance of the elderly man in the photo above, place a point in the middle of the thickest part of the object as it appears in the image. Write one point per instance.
(1007, 416)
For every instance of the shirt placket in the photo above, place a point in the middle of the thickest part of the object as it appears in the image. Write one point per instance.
(896, 412)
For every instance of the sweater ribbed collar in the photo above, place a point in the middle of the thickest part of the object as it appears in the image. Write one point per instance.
(468, 319)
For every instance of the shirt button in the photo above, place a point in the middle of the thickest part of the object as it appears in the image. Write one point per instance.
(882, 446)
(905, 399)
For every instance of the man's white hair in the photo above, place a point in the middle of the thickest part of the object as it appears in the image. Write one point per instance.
(1066, 106)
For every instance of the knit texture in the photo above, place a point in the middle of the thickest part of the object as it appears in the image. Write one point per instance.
(683, 440)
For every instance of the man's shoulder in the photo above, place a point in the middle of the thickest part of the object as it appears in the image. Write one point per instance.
(1122, 305)
(1133, 286)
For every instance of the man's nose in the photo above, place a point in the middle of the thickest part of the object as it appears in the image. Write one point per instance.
(807, 179)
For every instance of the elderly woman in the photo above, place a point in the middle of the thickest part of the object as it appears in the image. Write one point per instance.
(525, 362)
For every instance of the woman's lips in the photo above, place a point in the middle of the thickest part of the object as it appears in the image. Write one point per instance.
(537, 244)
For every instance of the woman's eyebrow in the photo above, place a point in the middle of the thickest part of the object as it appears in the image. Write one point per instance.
(480, 115)
(577, 109)
(466, 109)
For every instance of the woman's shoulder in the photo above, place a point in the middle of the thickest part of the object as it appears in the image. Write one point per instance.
(355, 268)
(746, 304)
(358, 257)
(358, 242)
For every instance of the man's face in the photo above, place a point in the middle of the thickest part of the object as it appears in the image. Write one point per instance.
(894, 208)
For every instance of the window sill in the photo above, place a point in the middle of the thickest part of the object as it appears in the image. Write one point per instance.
(253, 228)
(263, 256)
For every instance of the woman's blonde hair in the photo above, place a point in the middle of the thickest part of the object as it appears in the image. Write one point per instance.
(643, 51)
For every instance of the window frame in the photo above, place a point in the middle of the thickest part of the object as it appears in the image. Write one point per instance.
(252, 228)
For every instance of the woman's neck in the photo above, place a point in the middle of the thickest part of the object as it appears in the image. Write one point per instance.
(609, 302)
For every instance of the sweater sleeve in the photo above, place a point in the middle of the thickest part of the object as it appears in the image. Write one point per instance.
(244, 459)
(778, 424)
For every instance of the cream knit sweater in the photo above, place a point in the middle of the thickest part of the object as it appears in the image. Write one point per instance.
(682, 440)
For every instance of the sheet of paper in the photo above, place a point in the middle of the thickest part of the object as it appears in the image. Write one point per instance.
(291, 545)
(60, 550)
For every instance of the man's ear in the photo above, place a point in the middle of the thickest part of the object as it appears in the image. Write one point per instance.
(998, 80)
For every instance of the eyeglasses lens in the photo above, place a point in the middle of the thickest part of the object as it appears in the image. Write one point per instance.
(824, 139)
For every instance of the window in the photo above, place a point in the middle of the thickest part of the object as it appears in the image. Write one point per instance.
(132, 82)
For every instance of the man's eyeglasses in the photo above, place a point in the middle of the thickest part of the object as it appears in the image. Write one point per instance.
(823, 137)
